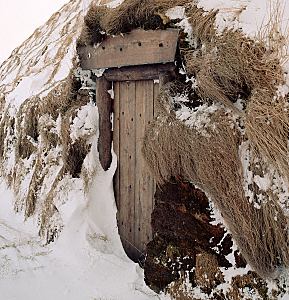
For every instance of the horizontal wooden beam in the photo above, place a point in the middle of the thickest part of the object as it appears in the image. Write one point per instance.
(145, 72)
(138, 47)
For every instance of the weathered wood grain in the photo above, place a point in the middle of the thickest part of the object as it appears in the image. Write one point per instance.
(116, 137)
(135, 73)
(156, 95)
(134, 185)
(127, 168)
(144, 181)
(138, 47)
(104, 104)
(155, 114)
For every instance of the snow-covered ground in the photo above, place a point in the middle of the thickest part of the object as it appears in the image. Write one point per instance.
(86, 262)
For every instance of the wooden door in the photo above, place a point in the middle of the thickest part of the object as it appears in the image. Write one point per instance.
(134, 186)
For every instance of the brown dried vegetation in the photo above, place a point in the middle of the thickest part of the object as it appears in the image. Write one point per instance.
(131, 14)
(212, 162)
(36, 136)
(208, 275)
(227, 67)
(231, 66)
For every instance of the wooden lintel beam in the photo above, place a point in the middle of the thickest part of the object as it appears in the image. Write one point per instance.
(134, 73)
(139, 47)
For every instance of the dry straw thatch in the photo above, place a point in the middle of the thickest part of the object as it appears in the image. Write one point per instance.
(129, 15)
(267, 127)
(212, 162)
(232, 65)
(138, 14)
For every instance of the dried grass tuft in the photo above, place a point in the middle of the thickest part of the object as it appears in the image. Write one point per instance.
(61, 98)
(6, 124)
(38, 138)
(267, 127)
(92, 32)
(275, 33)
(230, 66)
(129, 15)
(202, 23)
(48, 228)
(233, 66)
(208, 275)
(212, 163)
(132, 14)
(73, 153)
(179, 289)
(27, 129)
(33, 189)
(2, 104)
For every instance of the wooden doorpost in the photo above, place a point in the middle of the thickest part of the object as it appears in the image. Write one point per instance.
(138, 63)
(104, 104)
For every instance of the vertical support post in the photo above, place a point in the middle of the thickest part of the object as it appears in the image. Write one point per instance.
(104, 104)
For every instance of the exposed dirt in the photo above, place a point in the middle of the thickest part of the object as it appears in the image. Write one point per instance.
(187, 247)
(182, 230)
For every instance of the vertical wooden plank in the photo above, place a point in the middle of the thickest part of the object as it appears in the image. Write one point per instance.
(116, 138)
(140, 188)
(155, 100)
(156, 94)
(127, 164)
(134, 185)
(150, 110)
(144, 181)
(104, 104)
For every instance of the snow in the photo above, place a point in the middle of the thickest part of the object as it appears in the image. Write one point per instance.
(252, 17)
(29, 87)
(196, 118)
(86, 262)
(177, 12)
(264, 183)
(98, 72)
(43, 59)
(248, 15)
(85, 122)
(271, 183)
(114, 3)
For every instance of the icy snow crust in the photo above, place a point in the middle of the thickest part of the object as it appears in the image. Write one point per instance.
(87, 261)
